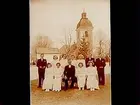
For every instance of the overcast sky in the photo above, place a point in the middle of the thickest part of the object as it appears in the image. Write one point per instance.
(51, 17)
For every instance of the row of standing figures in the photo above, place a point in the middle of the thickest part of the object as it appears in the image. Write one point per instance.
(63, 74)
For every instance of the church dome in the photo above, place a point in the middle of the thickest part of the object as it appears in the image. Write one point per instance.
(84, 22)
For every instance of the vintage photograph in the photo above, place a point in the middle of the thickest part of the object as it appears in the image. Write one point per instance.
(70, 52)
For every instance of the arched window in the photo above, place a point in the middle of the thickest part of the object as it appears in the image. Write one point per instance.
(86, 34)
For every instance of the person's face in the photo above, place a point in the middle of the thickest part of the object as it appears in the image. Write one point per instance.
(55, 57)
(80, 65)
(42, 55)
(90, 55)
(80, 57)
(72, 57)
(64, 56)
(90, 64)
(69, 62)
(49, 65)
(58, 65)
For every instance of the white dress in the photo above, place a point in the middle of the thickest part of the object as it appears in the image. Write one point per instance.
(80, 74)
(57, 78)
(63, 63)
(48, 81)
(92, 81)
(54, 62)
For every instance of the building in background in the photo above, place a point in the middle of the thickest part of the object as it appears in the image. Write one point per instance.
(48, 53)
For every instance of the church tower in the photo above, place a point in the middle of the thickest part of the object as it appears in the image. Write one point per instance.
(84, 29)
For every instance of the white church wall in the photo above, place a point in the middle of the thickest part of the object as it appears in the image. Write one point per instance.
(48, 57)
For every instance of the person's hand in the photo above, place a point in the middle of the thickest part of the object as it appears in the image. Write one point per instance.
(65, 77)
(70, 78)
(40, 67)
(101, 66)
(44, 67)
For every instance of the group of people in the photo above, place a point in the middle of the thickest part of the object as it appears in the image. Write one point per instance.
(68, 73)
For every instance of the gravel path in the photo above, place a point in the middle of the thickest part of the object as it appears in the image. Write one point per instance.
(72, 96)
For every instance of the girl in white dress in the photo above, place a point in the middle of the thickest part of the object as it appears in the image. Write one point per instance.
(92, 77)
(55, 61)
(48, 81)
(81, 59)
(57, 77)
(80, 74)
(64, 61)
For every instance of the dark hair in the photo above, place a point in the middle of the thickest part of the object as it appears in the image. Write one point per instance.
(91, 62)
(55, 56)
(80, 63)
(42, 54)
(58, 63)
(49, 64)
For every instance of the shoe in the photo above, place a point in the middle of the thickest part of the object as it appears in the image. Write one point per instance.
(47, 90)
(93, 89)
(79, 88)
(82, 88)
(98, 88)
(90, 89)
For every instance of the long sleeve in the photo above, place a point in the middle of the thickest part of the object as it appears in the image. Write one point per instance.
(45, 63)
(86, 60)
(104, 63)
(65, 71)
(74, 71)
(37, 63)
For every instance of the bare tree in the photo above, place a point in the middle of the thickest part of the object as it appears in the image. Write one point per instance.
(40, 41)
(43, 41)
(103, 45)
(67, 43)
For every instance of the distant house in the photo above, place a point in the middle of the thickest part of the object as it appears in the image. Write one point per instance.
(48, 53)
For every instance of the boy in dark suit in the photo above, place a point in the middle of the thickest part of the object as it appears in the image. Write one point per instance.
(41, 64)
(100, 64)
(89, 59)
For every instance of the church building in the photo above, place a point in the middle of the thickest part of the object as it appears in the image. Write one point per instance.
(84, 29)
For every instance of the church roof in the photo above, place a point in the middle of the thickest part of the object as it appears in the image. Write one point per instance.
(84, 22)
(48, 50)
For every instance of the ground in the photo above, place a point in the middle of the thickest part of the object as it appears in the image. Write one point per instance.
(72, 96)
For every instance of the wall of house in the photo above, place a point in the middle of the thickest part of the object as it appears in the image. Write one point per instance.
(49, 57)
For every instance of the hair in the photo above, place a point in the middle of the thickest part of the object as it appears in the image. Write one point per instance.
(42, 54)
(55, 56)
(80, 63)
(58, 63)
(49, 64)
(90, 62)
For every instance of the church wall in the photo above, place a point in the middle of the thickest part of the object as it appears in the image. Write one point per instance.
(49, 57)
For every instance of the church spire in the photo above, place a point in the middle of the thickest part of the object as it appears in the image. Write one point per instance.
(84, 13)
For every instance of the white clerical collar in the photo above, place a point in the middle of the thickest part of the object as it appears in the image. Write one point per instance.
(69, 66)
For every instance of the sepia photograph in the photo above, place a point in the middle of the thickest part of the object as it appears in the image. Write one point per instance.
(70, 52)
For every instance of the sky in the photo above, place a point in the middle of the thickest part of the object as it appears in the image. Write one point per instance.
(53, 17)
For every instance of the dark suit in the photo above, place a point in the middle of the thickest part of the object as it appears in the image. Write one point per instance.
(87, 60)
(41, 71)
(69, 72)
(100, 64)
